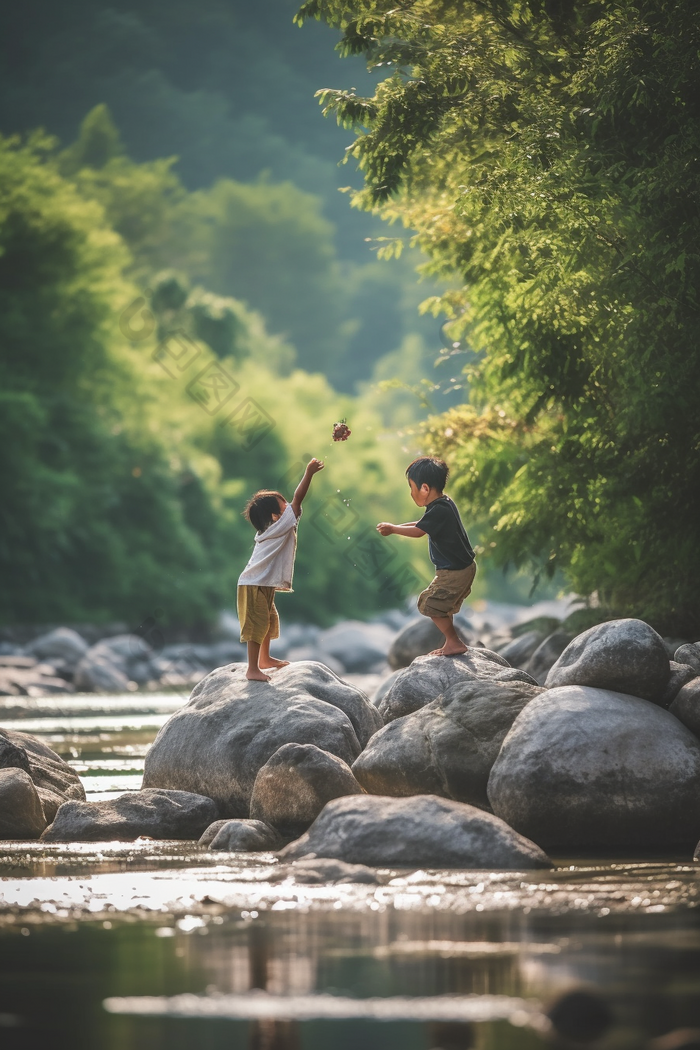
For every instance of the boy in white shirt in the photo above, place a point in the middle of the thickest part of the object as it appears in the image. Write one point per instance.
(270, 569)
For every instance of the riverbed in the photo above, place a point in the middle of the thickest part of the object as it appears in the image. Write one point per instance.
(163, 944)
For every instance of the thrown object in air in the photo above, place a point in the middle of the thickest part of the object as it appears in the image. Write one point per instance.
(341, 431)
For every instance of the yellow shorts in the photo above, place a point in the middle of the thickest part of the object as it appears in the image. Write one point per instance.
(257, 614)
(444, 596)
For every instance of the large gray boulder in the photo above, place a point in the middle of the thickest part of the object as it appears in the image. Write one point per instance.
(219, 741)
(421, 831)
(21, 812)
(63, 647)
(681, 674)
(358, 646)
(294, 785)
(447, 747)
(430, 676)
(421, 636)
(625, 656)
(245, 836)
(592, 770)
(519, 651)
(686, 706)
(158, 814)
(53, 778)
(689, 654)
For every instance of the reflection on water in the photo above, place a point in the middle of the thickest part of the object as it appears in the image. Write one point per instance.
(54, 977)
(264, 963)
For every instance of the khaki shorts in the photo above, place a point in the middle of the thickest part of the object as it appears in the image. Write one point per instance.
(257, 614)
(444, 596)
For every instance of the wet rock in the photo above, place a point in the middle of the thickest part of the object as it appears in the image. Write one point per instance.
(519, 651)
(315, 871)
(429, 676)
(294, 785)
(447, 747)
(546, 655)
(158, 814)
(421, 831)
(218, 742)
(63, 644)
(246, 836)
(210, 833)
(689, 654)
(586, 769)
(12, 756)
(53, 778)
(624, 656)
(421, 636)
(358, 646)
(21, 812)
(23, 676)
(681, 674)
(686, 705)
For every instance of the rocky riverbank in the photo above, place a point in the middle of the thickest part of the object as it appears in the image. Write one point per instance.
(453, 762)
(87, 658)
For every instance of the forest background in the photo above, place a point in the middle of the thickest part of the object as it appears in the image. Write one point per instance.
(188, 302)
(183, 194)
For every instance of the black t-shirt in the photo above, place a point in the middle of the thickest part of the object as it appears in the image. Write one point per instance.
(448, 542)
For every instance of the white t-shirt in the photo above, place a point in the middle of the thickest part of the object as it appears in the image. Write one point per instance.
(272, 562)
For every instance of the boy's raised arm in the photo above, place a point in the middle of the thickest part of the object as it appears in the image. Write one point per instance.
(312, 467)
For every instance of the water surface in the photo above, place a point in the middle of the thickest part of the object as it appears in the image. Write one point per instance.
(164, 945)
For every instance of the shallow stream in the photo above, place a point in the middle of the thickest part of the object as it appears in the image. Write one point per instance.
(163, 945)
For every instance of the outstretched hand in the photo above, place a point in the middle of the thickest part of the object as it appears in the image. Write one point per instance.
(314, 465)
(385, 528)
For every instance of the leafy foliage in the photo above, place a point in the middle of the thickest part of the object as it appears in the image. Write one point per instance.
(121, 494)
(213, 95)
(547, 153)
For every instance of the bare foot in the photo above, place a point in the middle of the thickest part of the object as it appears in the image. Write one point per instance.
(275, 664)
(255, 675)
(437, 652)
(454, 650)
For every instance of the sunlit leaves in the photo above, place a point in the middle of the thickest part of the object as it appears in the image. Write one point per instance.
(548, 154)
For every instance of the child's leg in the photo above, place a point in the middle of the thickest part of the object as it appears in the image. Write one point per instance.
(254, 674)
(269, 663)
(453, 643)
(252, 616)
(441, 600)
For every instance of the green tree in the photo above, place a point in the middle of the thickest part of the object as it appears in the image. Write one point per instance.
(122, 492)
(547, 154)
(269, 244)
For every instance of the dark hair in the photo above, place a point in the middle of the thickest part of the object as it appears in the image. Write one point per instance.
(260, 508)
(430, 471)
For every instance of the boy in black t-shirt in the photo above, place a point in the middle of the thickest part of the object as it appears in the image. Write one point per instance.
(449, 548)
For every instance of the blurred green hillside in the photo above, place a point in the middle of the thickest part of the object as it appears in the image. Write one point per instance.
(133, 426)
(184, 195)
(226, 90)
